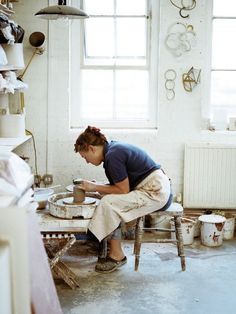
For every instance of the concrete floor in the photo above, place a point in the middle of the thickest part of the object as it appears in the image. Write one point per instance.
(207, 286)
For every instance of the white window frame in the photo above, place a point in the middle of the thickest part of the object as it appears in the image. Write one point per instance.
(207, 106)
(76, 64)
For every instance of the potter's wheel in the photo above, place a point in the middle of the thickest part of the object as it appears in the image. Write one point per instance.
(70, 201)
(61, 205)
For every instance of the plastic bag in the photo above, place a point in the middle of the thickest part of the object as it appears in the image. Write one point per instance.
(12, 33)
(18, 32)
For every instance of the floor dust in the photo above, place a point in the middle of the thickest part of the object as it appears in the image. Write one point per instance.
(207, 286)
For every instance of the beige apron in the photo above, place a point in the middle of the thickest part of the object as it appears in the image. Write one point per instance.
(149, 195)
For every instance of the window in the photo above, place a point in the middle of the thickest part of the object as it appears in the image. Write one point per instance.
(223, 63)
(117, 74)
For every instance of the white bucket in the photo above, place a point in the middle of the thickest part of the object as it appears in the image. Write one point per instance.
(212, 229)
(15, 56)
(228, 231)
(197, 226)
(160, 222)
(188, 227)
(12, 125)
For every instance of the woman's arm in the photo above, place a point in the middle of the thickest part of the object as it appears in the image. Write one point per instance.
(121, 187)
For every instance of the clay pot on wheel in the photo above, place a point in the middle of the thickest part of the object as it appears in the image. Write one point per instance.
(79, 194)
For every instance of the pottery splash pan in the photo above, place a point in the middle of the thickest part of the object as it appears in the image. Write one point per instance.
(61, 205)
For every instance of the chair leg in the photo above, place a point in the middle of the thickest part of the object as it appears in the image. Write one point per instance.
(138, 241)
(180, 243)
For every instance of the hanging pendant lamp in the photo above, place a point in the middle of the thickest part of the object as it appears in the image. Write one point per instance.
(61, 10)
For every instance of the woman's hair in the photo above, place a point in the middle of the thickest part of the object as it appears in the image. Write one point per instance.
(90, 136)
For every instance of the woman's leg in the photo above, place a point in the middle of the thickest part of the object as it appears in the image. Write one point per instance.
(116, 251)
(115, 248)
(115, 208)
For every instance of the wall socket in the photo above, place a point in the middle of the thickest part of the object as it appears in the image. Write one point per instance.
(47, 179)
(37, 180)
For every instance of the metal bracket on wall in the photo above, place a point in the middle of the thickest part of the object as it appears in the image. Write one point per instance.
(182, 7)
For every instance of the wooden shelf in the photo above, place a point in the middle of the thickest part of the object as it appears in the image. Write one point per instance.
(5, 1)
(8, 144)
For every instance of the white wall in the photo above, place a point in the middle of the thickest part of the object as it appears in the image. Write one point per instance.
(47, 100)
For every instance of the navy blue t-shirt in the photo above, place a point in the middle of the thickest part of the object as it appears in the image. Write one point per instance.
(122, 160)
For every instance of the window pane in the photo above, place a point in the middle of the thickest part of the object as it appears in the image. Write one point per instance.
(109, 93)
(101, 7)
(223, 91)
(131, 7)
(97, 94)
(132, 94)
(142, 61)
(224, 44)
(131, 37)
(99, 37)
(224, 8)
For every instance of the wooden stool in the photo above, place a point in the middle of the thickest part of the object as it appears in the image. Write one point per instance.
(175, 211)
(58, 237)
(56, 245)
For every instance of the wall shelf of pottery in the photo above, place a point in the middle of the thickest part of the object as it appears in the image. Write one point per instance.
(12, 109)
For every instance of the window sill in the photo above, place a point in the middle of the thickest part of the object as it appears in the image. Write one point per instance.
(220, 132)
(118, 130)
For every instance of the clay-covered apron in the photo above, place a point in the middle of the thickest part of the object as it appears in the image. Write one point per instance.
(150, 195)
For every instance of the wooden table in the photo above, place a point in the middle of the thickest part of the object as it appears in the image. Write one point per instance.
(49, 223)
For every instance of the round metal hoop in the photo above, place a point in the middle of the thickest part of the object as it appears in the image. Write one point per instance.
(170, 75)
(170, 84)
(170, 94)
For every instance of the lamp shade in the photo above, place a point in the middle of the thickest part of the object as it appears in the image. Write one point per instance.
(55, 12)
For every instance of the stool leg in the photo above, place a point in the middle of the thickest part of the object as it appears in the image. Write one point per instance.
(136, 234)
(180, 243)
(138, 241)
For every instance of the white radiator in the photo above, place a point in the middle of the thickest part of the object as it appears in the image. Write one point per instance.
(209, 176)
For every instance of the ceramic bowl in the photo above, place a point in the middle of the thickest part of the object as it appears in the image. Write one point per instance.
(41, 196)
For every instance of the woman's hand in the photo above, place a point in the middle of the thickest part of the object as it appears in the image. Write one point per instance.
(118, 188)
(87, 186)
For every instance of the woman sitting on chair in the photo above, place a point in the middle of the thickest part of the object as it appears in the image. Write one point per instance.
(137, 186)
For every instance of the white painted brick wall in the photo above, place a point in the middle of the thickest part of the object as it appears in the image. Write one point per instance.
(47, 101)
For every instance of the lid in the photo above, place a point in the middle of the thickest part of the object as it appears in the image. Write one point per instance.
(212, 218)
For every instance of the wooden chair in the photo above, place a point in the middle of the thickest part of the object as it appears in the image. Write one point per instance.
(175, 211)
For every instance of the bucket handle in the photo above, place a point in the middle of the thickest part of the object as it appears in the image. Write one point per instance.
(188, 219)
